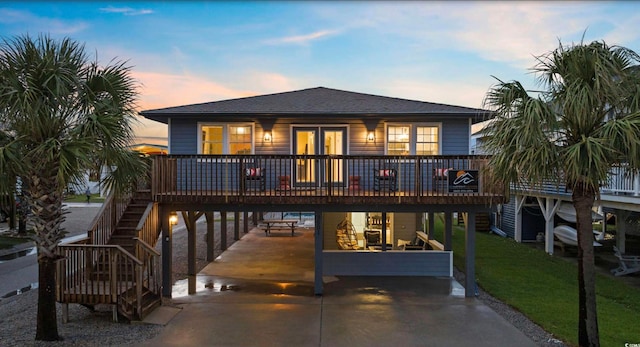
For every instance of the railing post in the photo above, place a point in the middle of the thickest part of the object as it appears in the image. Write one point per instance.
(636, 185)
(138, 274)
(329, 178)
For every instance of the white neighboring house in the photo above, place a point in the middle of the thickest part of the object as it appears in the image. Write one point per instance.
(529, 213)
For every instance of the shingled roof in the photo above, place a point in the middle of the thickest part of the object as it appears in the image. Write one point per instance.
(313, 101)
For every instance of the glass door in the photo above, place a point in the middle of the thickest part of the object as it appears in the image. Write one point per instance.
(305, 140)
(321, 140)
(333, 143)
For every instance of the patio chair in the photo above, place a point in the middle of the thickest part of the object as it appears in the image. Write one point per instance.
(254, 177)
(385, 177)
(372, 238)
(628, 263)
(440, 179)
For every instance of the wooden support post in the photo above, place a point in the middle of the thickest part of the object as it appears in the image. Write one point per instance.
(470, 261)
(548, 207)
(65, 313)
(383, 239)
(420, 221)
(621, 229)
(223, 230)
(519, 200)
(190, 222)
(236, 226)
(448, 230)
(430, 223)
(210, 236)
(245, 222)
(319, 240)
(167, 253)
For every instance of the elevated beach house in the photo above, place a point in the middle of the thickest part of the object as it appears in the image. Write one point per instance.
(370, 169)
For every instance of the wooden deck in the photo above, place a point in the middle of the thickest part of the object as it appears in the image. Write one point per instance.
(348, 180)
(322, 196)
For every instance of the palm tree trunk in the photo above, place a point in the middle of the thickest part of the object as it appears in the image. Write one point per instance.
(47, 321)
(583, 199)
(45, 198)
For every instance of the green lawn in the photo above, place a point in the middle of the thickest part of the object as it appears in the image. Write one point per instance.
(545, 288)
(8, 242)
(83, 198)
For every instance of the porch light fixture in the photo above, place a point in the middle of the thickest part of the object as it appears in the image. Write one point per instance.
(267, 136)
(371, 136)
(173, 218)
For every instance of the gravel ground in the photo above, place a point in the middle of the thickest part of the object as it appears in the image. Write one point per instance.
(87, 328)
(516, 318)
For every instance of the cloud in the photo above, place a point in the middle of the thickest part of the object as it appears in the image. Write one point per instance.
(509, 32)
(267, 82)
(470, 94)
(127, 11)
(161, 90)
(301, 39)
(35, 24)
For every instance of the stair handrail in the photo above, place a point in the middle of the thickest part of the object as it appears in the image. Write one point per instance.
(151, 272)
(147, 228)
(77, 273)
(104, 223)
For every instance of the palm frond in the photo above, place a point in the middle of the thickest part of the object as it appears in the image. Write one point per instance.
(584, 120)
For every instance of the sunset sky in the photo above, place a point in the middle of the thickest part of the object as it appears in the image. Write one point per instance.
(198, 51)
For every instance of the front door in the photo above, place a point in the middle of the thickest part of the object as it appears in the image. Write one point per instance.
(321, 140)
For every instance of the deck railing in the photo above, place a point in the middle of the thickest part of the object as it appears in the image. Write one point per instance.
(95, 274)
(147, 228)
(92, 272)
(102, 274)
(622, 180)
(181, 177)
(104, 223)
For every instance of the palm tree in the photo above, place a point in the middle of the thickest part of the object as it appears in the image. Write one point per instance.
(60, 113)
(585, 119)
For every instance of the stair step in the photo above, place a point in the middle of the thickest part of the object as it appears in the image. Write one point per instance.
(119, 236)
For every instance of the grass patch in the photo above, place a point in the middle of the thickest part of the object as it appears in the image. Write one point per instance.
(545, 288)
(83, 198)
(7, 242)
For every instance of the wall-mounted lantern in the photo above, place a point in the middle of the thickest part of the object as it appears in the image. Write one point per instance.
(371, 136)
(267, 136)
(173, 218)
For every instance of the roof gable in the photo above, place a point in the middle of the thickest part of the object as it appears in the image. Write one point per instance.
(317, 101)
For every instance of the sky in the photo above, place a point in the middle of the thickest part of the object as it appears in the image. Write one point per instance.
(444, 52)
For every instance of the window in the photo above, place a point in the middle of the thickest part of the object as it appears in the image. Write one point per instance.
(427, 140)
(404, 139)
(227, 139)
(398, 140)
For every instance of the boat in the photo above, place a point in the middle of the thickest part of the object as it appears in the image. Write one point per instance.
(567, 212)
(569, 235)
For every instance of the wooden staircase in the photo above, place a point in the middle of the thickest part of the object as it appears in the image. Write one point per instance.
(126, 229)
(483, 221)
(117, 264)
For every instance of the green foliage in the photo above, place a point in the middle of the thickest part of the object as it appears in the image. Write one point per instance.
(60, 114)
(8, 242)
(83, 198)
(585, 118)
(545, 288)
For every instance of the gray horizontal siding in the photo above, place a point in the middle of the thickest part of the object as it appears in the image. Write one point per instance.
(183, 134)
(508, 218)
(455, 137)
(390, 263)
